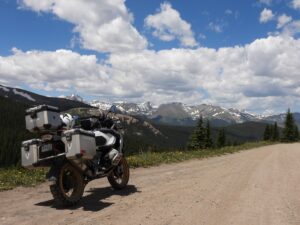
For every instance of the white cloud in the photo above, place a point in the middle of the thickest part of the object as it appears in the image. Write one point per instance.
(261, 75)
(104, 26)
(292, 28)
(283, 20)
(266, 15)
(296, 4)
(216, 27)
(168, 25)
(267, 2)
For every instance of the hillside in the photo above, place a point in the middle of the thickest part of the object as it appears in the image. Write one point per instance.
(12, 131)
(30, 98)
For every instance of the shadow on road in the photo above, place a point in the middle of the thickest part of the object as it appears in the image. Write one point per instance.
(93, 200)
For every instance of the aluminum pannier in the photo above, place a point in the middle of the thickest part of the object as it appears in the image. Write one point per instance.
(42, 118)
(79, 142)
(30, 152)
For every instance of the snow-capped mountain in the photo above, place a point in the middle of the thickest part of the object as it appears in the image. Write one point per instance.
(179, 113)
(145, 108)
(74, 97)
(280, 119)
(216, 112)
(100, 105)
(182, 114)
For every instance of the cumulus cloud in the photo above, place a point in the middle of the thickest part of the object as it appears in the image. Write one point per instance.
(104, 26)
(62, 70)
(168, 25)
(283, 20)
(266, 15)
(296, 4)
(258, 76)
(292, 28)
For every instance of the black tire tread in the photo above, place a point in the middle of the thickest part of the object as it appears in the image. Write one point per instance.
(59, 196)
(112, 181)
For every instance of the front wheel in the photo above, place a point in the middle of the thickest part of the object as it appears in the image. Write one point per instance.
(119, 177)
(69, 187)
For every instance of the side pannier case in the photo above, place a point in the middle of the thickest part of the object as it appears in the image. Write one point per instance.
(42, 118)
(29, 152)
(79, 142)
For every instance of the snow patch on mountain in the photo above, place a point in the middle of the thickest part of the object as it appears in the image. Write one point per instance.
(4, 88)
(179, 110)
(100, 105)
(74, 97)
(145, 108)
(23, 94)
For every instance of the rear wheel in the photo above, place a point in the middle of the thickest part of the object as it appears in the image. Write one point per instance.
(69, 187)
(119, 177)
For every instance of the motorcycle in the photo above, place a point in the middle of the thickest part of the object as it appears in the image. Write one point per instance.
(77, 153)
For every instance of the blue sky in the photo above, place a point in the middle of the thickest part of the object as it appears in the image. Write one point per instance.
(28, 30)
(164, 33)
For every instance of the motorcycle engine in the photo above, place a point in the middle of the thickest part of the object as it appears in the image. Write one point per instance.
(115, 157)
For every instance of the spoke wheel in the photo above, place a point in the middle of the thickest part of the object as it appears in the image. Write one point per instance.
(119, 177)
(69, 187)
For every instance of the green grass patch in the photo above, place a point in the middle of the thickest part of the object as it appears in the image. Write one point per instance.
(14, 177)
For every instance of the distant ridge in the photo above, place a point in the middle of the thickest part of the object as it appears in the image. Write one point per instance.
(30, 98)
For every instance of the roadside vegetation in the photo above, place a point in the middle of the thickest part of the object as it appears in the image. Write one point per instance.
(148, 159)
(14, 177)
(289, 134)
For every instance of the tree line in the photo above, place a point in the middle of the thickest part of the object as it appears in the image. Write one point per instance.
(12, 131)
(290, 131)
(201, 137)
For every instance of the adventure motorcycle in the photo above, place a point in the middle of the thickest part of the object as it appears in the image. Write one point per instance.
(77, 150)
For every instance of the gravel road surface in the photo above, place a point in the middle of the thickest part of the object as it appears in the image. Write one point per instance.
(259, 186)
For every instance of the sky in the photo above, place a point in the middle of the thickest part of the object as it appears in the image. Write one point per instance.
(241, 54)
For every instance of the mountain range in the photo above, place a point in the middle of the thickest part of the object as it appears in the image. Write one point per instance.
(174, 113)
(147, 127)
(180, 114)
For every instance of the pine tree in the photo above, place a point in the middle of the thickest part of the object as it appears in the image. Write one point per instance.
(267, 133)
(197, 140)
(221, 141)
(209, 142)
(275, 132)
(290, 132)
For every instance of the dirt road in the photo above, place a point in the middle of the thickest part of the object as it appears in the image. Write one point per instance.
(259, 186)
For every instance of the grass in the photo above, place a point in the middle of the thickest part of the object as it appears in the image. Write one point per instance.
(148, 159)
(14, 177)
